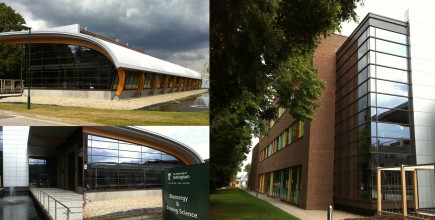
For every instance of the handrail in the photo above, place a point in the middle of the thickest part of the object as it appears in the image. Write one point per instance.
(38, 195)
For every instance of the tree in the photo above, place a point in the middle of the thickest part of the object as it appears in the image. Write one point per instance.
(10, 55)
(261, 51)
(247, 168)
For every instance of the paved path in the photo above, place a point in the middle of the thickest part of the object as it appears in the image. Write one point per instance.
(12, 119)
(69, 204)
(124, 104)
(302, 213)
(152, 206)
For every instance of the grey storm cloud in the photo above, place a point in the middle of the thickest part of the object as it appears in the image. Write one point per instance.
(163, 27)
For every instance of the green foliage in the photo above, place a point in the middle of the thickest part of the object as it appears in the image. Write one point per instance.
(247, 168)
(298, 87)
(261, 51)
(10, 55)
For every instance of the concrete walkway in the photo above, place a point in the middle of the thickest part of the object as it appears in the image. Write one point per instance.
(59, 203)
(302, 213)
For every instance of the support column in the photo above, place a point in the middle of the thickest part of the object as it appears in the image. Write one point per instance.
(379, 193)
(403, 180)
(185, 84)
(154, 83)
(140, 84)
(415, 186)
(200, 84)
(121, 83)
(165, 83)
(179, 83)
(174, 83)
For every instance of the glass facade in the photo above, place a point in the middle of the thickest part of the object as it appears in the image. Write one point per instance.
(114, 164)
(373, 114)
(61, 66)
(284, 184)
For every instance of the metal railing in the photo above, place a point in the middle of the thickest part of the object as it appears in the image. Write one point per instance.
(54, 208)
(11, 86)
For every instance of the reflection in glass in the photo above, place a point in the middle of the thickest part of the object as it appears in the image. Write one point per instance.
(362, 103)
(362, 76)
(391, 74)
(393, 48)
(393, 130)
(362, 89)
(129, 147)
(392, 61)
(389, 101)
(373, 129)
(391, 36)
(392, 88)
(107, 145)
(362, 50)
(103, 159)
(104, 152)
(114, 165)
(362, 62)
(129, 154)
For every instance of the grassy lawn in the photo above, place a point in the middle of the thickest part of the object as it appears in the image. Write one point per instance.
(237, 204)
(112, 117)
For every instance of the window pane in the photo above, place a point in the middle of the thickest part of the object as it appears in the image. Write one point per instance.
(362, 103)
(362, 89)
(362, 38)
(391, 74)
(391, 36)
(362, 50)
(389, 101)
(130, 160)
(392, 61)
(129, 147)
(104, 152)
(393, 130)
(392, 88)
(108, 145)
(362, 76)
(394, 116)
(362, 63)
(129, 154)
(393, 48)
(100, 159)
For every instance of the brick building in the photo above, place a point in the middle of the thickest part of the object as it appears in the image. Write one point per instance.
(377, 111)
(299, 154)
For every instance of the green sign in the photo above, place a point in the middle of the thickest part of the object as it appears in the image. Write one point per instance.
(185, 192)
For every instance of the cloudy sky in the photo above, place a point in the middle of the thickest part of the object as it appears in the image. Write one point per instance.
(172, 30)
(196, 137)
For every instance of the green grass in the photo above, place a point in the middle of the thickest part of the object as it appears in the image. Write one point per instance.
(237, 204)
(111, 117)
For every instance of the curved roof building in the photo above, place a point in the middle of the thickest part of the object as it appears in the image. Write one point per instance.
(70, 58)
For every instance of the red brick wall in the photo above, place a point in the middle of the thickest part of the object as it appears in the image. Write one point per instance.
(321, 147)
(315, 150)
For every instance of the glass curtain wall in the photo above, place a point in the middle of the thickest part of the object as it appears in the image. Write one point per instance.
(114, 165)
(284, 184)
(61, 66)
(373, 114)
